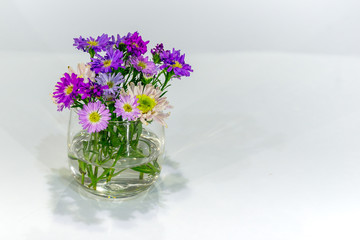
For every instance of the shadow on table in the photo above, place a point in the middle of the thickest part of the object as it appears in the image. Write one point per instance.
(68, 199)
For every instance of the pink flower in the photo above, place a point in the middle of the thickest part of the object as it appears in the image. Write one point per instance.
(94, 117)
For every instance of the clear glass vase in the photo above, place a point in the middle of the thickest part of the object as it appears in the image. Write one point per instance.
(118, 162)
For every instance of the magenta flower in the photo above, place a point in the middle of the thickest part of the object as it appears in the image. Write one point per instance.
(126, 107)
(67, 90)
(135, 45)
(148, 68)
(94, 117)
(175, 62)
(98, 44)
(112, 60)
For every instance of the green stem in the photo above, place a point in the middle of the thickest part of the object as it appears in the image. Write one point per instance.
(141, 176)
(95, 177)
(167, 79)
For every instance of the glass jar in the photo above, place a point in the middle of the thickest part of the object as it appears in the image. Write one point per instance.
(118, 162)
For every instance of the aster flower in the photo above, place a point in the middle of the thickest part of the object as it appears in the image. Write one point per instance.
(142, 64)
(156, 52)
(158, 49)
(67, 89)
(135, 45)
(83, 71)
(151, 105)
(112, 60)
(98, 44)
(126, 107)
(91, 90)
(112, 81)
(119, 40)
(175, 62)
(94, 117)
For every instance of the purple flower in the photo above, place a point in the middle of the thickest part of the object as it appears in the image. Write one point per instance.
(119, 40)
(111, 81)
(142, 64)
(91, 89)
(112, 59)
(126, 107)
(173, 61)
(135, 45)
(98, 44)
(66, 90)
(94, 117)
(158, 49)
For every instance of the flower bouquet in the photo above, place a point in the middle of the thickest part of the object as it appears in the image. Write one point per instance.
(118, 110)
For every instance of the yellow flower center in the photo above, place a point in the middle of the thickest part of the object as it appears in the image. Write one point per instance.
(110, 84)
(94, 117)
(136, 45)
(146, 103)
(92, 43)
(142, 64)
(177, 65)
(127, 107)
(107, 63)
(81, 76)
(69, 89)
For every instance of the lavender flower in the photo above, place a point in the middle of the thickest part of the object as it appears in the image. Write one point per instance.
(94, 117)
(112, 81)
(112, 59)
(175, 62)
(135, 45)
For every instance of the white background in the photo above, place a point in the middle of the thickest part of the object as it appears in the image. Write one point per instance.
(311, 26)
(263, 142)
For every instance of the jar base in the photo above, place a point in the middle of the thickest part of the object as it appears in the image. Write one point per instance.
(117, 188)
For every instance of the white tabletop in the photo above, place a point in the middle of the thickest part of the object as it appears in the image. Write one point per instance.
(259, 146)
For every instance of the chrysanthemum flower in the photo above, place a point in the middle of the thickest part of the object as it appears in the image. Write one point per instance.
(126, 107)
(98, 44)
(112, 81)
(83, 71)
(135, 45)
(112, 59)
(94, 117)
(151, 105)
(67, 89)
(142, 64)
(173, 61)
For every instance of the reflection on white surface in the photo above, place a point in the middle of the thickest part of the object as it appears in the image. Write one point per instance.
(72, 202)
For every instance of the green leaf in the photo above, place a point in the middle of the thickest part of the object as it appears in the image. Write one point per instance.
(143, 169)
(156, 58)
